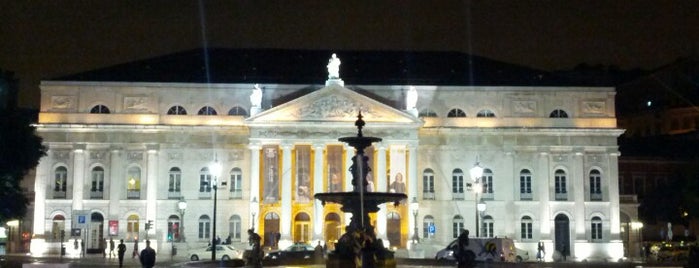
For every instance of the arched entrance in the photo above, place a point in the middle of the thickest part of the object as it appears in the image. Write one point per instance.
(562, 234)
(333, 229)
(58, 225)
(271, 230)
(96, 233)
(393, 229)
(302, 228)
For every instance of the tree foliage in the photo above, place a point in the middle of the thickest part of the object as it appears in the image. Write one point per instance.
(20, 151)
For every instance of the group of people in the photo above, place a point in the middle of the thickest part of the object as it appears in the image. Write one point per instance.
(145, 256)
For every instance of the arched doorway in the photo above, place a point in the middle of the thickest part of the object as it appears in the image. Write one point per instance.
(333, 229)
(302, 228)
(58, 226)
(393, 229)
(271, 230)
(562, 234)
(96, 233)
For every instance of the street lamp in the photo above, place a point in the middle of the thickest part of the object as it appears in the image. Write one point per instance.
(182, 206)
(476, 173)
(414, 206)
(215, 170)
(637, 226)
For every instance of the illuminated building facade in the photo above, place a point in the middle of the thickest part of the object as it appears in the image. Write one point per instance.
(125, 152)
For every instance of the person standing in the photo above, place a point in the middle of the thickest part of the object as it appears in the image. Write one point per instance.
(463, 258)
(103, 248)
(135, 249)
(121, 249)
(147, 256)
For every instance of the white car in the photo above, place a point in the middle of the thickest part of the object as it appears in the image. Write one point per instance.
(223, 252)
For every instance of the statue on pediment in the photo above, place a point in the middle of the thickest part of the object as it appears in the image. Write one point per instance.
(256, 96)
(334, 67)
(411, 99)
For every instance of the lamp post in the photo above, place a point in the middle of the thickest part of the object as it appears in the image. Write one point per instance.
(637, 226)
(182, 206)
(215, 172)
(414, 206)
(476, 173)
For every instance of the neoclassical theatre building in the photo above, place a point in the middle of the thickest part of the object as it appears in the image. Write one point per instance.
(256, 133)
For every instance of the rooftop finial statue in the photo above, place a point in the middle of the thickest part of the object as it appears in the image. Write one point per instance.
(334, 67)
(256, 96)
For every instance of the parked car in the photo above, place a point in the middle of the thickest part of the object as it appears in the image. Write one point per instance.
(487, 249)
(671, 254)
(223, 252)
(295, 251)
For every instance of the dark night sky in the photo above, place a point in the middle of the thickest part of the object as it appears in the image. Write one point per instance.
(44, 39)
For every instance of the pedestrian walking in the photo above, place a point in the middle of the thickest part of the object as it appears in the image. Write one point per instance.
(111, 247)
(147, 256)
(120, 252)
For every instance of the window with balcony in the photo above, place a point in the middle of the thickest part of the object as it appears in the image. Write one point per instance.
(97, 187)
(457, 223)
(596, 228)
(204, 183)
(60, 181)
(595, 185)
(174, 186)
(526, 228)
(428, 184)
(235, 228)
(457, 184)
(525, 185)
(236, 183)
(485, 113)
(427, 221)
(204, 230)
(561, 192)
(487, 226)
(487, 182)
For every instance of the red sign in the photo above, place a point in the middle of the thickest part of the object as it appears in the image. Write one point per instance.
(113, 227)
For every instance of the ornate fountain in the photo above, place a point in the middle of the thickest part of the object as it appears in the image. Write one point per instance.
(358, 246)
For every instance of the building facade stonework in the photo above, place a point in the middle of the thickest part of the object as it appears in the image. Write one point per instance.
(127, 153)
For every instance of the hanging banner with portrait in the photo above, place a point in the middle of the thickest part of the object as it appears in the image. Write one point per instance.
(397, 181)
(113, 227)
(303, 174)
(334, 170)
(270, 173)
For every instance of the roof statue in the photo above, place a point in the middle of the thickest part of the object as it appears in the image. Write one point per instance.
(411, 101)
(334, 67)
(256, 100)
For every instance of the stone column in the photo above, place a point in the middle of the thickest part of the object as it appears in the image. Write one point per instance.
(254, 182)
(576, 185)
(42, 181)
(380, 186)
(318, 188)
(347, 185)
(508, 190)
(285, 219)
(412, 187)
(152, 185)
(613, 192)
(116, 184)
(543, 191)
(78, 176)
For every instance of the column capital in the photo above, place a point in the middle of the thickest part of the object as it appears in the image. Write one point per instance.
(152, 147)
(79, 147)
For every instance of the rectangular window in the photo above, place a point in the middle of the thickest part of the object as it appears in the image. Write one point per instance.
(596, 230)
(204, 180)
(457, 183)
(428, 186)
(456, 228)
(236, 185)
(204, 230)
(487, 229)
(234, 230)
(526, 230)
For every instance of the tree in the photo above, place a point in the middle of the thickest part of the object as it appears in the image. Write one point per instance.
(21, 151)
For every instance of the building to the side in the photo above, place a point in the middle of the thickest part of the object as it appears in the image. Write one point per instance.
(128, 144)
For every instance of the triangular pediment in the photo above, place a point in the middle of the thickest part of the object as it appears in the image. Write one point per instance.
(333, 103)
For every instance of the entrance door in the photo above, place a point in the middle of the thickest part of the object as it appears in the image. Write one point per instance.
(562, 243)
(393, 229)
(333, 229)
(96, 232)
(271, 234)
(302, 228)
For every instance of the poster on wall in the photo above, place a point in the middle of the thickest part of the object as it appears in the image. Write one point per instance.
(113, 227)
